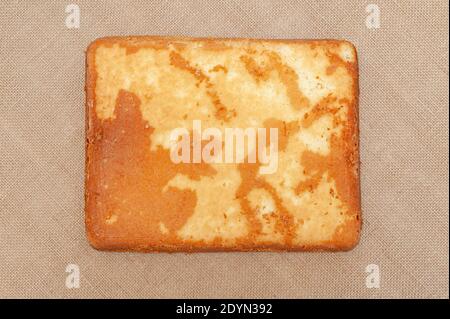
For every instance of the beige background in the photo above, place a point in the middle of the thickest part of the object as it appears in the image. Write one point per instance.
(404, 152)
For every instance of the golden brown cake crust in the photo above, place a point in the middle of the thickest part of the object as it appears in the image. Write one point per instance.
(136, 199)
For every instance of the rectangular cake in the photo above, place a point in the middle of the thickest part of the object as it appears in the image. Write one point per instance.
(221, 145)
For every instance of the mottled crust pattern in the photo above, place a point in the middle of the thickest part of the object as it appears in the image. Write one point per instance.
(138, 89)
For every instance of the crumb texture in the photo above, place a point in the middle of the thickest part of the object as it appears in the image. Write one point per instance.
(140, 89)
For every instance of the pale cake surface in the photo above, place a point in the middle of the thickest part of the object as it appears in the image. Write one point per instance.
(140, 88)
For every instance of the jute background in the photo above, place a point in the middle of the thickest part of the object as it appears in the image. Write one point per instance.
(404, 152)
